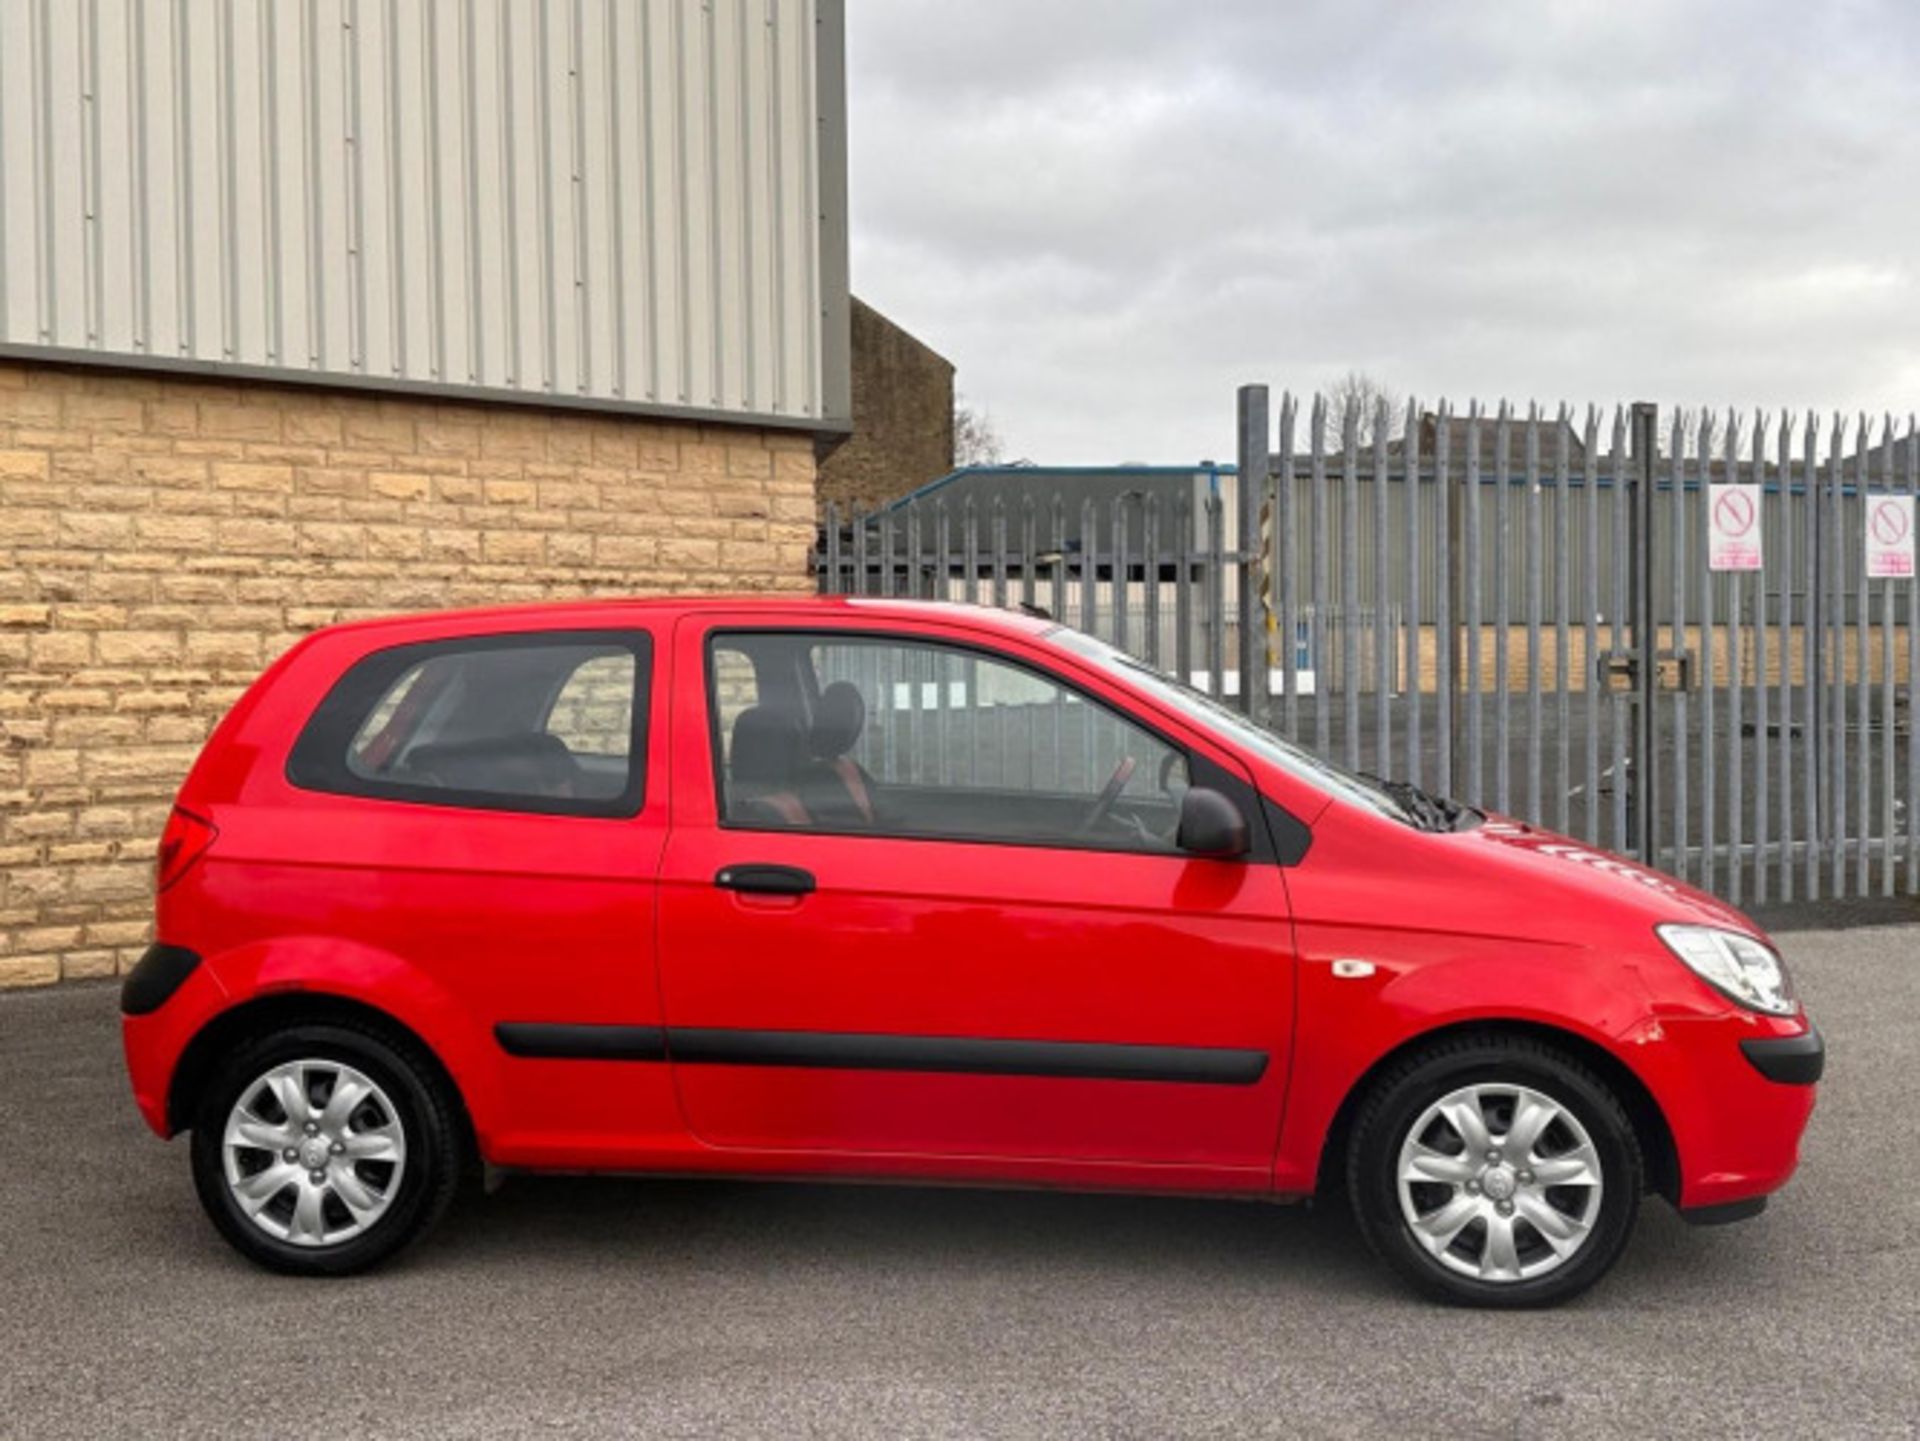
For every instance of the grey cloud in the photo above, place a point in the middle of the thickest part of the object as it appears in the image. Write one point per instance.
(1109, 214)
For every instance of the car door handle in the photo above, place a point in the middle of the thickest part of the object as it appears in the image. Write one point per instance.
(766, 880)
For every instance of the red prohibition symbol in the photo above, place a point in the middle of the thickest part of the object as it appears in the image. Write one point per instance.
(1889, 523)
(1733, 513)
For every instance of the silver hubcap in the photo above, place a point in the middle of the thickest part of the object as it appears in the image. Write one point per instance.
(1499, 1182)
(314, 1152)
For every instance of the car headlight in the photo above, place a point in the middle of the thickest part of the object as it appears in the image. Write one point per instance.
(1736, 965)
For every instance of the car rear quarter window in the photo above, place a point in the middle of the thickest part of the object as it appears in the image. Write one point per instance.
(552, 724)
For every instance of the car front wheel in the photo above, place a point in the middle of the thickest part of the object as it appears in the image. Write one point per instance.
(323, 1149)
(1495, 1171)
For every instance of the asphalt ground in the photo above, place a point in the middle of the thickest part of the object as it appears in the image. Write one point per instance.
(574, 1306)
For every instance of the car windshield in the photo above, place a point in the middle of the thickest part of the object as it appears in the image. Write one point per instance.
(1377, 796)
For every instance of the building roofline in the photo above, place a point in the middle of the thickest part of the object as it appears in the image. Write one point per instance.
(1009, 471)
(887, 320)
(398, 387)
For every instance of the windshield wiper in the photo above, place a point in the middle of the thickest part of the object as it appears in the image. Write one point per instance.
(1416, 804)
(1423, 808)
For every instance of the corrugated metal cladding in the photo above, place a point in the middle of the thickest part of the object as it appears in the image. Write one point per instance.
(632, 203)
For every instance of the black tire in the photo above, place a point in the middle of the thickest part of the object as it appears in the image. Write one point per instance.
(1401, 1096)
(426, 1114)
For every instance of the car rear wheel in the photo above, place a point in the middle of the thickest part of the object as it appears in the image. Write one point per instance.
(1495, 1171)
(323, 1149)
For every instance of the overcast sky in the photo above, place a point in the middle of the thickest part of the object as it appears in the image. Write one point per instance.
(1109, 213)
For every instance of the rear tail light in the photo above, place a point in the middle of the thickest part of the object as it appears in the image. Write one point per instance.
(183, 842)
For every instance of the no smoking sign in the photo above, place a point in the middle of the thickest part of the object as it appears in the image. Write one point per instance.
(1889, 537)
(1733, 527)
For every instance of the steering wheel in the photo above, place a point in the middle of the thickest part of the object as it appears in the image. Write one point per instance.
(1109, 793)
(1169, 763)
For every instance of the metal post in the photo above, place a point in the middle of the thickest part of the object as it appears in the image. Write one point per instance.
(1150, 543)
(832, 587)
(1029, 548)
(1255, 449)
(1183, 548)
(1317, 630)
(1446, 605)
(1216, 597)
(1474, 792)
(860, 562)
(1287, 563)
(1447, 609)
(1645, 633)
(1350, 584)
(1383, 630)
(1813, 781)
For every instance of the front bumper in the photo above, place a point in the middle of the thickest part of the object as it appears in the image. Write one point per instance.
(1737, 1091)
(1786, 1061)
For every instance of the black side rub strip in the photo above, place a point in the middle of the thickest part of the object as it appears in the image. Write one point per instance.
(540, 1040)
(963, 1055)
(155, 977)
(1790, 1060)
(829, 1050)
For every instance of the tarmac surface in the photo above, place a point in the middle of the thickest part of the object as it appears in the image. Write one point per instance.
(564, 1306)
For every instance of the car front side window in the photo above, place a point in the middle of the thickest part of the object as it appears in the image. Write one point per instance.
(924, 739)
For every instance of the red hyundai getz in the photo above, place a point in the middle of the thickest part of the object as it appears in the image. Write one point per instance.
(884, 889)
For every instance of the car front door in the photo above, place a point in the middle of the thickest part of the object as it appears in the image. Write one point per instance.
(956, 925)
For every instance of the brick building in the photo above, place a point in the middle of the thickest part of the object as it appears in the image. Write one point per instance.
(570, 321)
(902, 417)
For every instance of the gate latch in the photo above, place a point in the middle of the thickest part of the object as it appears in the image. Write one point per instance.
(1675, 670)
(1619, 670)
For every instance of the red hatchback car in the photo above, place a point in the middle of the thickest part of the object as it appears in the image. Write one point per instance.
(866, 888)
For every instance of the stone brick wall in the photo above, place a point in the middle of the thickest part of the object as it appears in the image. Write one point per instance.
(902, 417)
(162, 539)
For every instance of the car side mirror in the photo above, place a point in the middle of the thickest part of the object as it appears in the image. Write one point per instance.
(1210, 825)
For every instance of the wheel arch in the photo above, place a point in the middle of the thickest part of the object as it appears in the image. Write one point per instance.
(280, 1009)
(1650, 1125)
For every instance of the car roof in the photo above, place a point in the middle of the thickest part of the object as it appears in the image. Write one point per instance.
(787, 608)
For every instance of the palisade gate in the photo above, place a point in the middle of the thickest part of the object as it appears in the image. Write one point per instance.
(1686, 637)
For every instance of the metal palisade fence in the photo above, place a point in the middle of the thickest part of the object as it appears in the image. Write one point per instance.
(1690, 638)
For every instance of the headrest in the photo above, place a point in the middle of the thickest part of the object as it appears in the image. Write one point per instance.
(767, 750)
(838, 720)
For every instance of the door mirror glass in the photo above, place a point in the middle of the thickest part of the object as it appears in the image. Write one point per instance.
(1211, 825)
